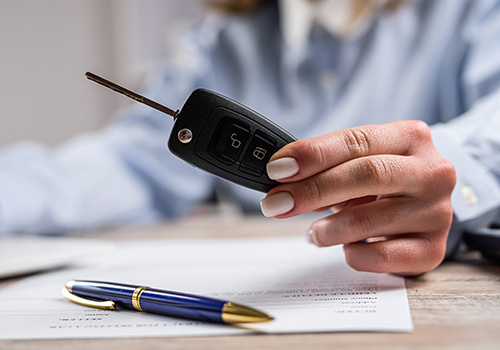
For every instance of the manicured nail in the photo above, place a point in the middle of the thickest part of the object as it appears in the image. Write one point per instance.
(308, 236)
(276, 204)
(282, 168)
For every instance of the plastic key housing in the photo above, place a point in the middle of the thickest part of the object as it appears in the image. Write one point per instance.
(227, 139)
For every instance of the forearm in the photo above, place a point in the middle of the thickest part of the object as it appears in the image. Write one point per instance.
(81, 186)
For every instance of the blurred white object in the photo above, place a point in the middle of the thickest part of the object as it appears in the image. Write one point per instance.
(20, 255)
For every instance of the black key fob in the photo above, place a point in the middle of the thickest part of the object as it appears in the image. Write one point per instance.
(219, 135)
(227, 139)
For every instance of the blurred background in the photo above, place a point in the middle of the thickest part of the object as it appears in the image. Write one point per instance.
(47, 46)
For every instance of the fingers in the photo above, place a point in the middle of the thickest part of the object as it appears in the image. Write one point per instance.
(386, 217)
(405, 238)
(353, 202)
(304, 158)
(368, 176)
(389, 184)
(427, 176)
(409, 255)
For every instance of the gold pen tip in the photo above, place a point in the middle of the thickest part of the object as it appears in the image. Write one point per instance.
(237, 313)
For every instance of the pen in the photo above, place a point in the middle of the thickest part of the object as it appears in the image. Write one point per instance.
(108, 295)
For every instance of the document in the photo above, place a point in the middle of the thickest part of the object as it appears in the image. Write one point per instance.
(305, 288)
(22, 255)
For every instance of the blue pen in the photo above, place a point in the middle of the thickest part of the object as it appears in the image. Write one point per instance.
(108, 295)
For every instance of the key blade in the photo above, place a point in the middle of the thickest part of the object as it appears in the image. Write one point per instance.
(130, 94)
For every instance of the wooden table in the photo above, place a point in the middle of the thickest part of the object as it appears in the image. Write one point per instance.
(456, 306)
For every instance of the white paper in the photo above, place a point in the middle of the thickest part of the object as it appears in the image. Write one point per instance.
(22, 255)
(305, 288)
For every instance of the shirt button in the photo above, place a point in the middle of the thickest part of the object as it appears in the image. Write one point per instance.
(469, 195)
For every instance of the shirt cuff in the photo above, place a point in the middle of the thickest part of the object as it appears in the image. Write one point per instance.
(476, 192)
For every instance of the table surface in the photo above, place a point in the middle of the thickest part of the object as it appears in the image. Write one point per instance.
(456, 306)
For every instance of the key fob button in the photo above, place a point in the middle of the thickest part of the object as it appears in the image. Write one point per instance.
(230, 143)
(257, 154)
(229, 140)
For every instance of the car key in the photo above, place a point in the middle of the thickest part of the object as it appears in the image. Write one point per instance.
(219, 135)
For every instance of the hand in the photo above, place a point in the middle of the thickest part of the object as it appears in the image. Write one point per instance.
(388, 186)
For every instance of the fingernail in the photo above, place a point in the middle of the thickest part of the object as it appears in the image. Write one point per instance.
(276, 204)
(282, 168)
(310, 237)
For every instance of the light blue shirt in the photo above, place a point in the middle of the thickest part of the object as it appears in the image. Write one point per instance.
(437, 61)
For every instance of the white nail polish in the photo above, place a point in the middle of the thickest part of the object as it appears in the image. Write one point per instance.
(276, 204)
(308, 236)
(282, 168)
(311, 237)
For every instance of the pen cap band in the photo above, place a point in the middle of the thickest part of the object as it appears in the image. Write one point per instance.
(136, 297)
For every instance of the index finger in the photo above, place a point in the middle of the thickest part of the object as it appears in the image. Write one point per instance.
(308, 157)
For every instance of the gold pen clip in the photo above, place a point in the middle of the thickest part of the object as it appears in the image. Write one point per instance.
(102, 304)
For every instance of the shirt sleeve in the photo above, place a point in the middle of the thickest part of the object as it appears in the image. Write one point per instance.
(120, 175)
(476, 196)
(472, 141)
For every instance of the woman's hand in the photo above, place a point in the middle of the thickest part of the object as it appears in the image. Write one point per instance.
(388, 186)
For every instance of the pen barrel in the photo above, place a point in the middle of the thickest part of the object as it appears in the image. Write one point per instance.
(181, 305)
(152, 300)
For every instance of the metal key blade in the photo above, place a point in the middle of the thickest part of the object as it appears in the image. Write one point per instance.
(131, 94)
